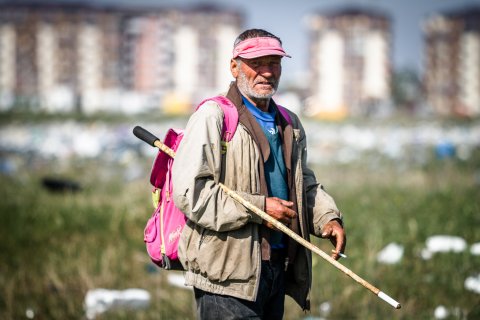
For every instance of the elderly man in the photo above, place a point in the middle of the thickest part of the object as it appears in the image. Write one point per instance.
(239, 265)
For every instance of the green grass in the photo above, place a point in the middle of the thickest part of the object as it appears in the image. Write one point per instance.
(406, 208)
(54, 247)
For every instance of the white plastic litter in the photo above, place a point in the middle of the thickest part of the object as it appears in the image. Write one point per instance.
(391, 254)
(443, 243)
(440, 313)
(325, 308)
(29, 313)
(177, 280)
(98, 301)
(473, 284)
(475, 249)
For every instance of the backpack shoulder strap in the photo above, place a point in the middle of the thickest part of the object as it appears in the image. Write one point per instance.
(230, 118)
(285, 114)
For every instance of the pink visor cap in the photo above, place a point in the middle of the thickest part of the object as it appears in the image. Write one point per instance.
(259, 47)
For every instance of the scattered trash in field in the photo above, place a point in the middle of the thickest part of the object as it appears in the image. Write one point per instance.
(7, 166)
(325, 308)
(475, 249)
(98, 301)
(443, 243)
(445, 150)
(330, 142)
(441, 313)
(391, 254)
(177, 280)
(29, 313)
(473, 284)
(60, 185)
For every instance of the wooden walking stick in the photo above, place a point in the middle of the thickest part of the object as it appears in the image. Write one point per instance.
(280, 226)
(154, 141)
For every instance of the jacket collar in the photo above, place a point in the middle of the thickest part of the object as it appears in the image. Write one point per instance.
(247, 119)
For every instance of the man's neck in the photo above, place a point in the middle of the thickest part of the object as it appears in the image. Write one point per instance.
(262, 104)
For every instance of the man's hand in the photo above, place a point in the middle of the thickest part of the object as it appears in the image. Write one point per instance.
(280, 210)
(334, 231)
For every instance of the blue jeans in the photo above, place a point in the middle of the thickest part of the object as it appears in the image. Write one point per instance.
(269, 304)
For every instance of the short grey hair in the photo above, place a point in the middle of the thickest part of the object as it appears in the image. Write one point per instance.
(254, 33)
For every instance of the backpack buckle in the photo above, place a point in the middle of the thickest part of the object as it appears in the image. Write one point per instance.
(156, 197)
(224, 145)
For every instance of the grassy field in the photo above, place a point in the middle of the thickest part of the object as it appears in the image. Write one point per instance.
(55, 247)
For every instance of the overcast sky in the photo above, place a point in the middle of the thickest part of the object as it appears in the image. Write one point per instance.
(286, 19)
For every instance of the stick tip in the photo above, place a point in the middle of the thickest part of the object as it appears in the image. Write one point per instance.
(389, 300)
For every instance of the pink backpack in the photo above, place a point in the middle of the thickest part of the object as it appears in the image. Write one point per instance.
(163, 229)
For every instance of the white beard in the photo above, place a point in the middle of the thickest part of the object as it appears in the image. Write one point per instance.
(246, 90)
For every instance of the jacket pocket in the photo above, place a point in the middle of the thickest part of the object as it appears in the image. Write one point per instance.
(186, 246)
(229, 255)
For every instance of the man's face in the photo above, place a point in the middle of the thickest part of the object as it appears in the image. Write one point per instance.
(257, 78)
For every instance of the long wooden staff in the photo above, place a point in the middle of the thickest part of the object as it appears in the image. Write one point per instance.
(149, 138)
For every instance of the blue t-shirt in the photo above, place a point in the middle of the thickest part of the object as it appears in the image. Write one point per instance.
(275, 170)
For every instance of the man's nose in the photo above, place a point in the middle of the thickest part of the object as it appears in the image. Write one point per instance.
(266, 70)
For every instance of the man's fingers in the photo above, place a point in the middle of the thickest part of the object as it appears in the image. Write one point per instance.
(336, 237)
(269, 225)
(286, 220)
(288, 211)
(327, 233)
(341, 242)
(339, 246)
(292, 214)
(286, 203)
(337, 240)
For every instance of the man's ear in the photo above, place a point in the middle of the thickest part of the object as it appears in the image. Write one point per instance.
(234, 68)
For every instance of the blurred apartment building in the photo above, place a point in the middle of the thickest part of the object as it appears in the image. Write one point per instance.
(452, 62)
(90, 58)
(349, 62)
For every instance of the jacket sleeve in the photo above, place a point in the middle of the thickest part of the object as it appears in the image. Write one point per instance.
(321, 207)
(196, 172)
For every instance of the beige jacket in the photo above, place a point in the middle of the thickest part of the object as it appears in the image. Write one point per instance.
(220, 246)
